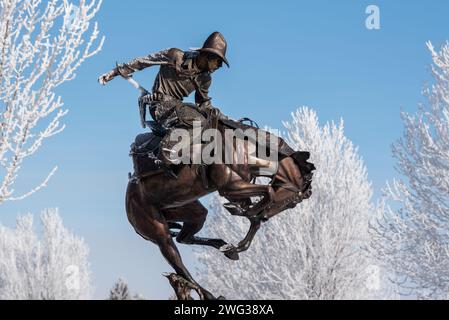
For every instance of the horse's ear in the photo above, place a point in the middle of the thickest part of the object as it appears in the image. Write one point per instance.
(301, 158)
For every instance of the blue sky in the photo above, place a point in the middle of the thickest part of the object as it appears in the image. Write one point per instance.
(283, 55)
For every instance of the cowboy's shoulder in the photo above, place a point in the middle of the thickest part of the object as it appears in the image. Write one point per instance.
(174, 54)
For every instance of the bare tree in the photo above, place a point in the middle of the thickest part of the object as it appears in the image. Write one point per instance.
(120, 291)
(52, 267)
(314, 251)
(412, 240)
(42, 43)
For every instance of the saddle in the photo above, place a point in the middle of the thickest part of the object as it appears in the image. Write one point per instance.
(144, 152)
(147, 151)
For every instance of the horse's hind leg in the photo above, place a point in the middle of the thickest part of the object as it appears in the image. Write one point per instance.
(193, 215)
(173, 257)
(152, 226)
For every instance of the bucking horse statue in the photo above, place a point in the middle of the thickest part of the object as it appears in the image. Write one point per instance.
(162, 197)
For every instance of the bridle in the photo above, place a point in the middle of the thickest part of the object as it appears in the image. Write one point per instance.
(297, 197)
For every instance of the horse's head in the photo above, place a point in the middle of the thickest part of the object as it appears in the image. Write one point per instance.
(292, 179)
(291, 184)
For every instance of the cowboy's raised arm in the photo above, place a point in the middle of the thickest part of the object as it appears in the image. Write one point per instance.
(158, 58)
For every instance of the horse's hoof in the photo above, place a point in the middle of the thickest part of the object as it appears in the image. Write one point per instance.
(208, 296)
(233, 255)
(233, 209)
(221, 298)
(226, 247)
(230, 251)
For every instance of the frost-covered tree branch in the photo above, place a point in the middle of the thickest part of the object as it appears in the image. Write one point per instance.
(42, 43)
(413, 240)
(314, 251)
(53, 266)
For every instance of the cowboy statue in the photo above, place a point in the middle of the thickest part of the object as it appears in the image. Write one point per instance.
(156, 206)
(180, 74)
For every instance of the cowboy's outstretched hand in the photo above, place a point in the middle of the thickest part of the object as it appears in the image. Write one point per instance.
(103, 79)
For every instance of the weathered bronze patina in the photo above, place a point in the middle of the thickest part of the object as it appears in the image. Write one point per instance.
(156, 206)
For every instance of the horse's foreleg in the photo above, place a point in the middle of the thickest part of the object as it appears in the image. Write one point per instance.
(240, 190)
(246, 242)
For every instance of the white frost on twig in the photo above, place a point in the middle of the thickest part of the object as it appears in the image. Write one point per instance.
(42, 44)
(412, 239)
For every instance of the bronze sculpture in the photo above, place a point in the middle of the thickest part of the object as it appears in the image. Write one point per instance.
(156, 206)
(180, 74)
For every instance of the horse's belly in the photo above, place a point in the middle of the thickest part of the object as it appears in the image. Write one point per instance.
(184, 190)
(180, 200)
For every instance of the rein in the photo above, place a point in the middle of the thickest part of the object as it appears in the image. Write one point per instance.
(252, 122)
(296, 198)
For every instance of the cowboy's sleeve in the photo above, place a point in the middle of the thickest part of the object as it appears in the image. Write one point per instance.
(140, 63)
(202, 90)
